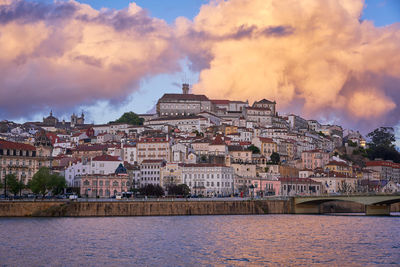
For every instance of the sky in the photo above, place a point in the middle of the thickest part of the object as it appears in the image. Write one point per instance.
(337, 61)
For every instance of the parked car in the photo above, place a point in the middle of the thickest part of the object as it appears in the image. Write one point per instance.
(72, 197)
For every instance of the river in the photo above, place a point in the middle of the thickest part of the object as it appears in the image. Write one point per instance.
(254, 240)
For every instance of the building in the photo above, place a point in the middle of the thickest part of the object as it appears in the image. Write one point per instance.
(208, 179)
(266, 145)
(150, 171)
(20, 159)
(184, 104)
(299, 186)
(259, 115)
(170, 174)
(264, 103)
(104, 185)
(313, 159)
(129, 153)
(333, 183)
(297, 123)
(339, 167)
(388, 170)
(183, 123)
(153, 148)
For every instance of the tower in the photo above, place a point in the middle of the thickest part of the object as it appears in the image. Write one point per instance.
(185, 88)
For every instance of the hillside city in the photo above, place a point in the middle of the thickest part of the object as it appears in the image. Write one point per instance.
(210, 148)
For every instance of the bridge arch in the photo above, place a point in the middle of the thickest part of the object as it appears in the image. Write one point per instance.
(374, 205)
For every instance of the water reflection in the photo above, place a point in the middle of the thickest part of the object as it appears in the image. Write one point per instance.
(201, 240)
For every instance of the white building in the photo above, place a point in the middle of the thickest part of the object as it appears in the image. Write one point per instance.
(150, 172)
(104, 164)
(208, 179)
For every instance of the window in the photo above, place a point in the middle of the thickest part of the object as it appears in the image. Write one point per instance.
(115, 183)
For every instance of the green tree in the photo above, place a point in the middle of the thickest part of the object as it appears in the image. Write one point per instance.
(44, 181)
(13, 184)
(382, 144)
(383, 136)
(275, 158)
(254, 149)
(351, 143)
(151, 190)
(130, 118)
(181, 190)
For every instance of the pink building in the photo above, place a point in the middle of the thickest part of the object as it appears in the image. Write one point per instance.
(314, 159)
(101, 185)
(269, 187)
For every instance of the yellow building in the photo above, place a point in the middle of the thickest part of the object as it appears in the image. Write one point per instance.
(340, 167)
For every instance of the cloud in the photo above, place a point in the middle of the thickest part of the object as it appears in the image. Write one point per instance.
(314, 54)
(66, 54)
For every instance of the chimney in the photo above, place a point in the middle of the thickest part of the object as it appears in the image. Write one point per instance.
(185, 88)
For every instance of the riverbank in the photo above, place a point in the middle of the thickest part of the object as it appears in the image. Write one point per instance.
(164, 208)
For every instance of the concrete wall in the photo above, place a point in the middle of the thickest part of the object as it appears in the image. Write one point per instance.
(145, 208)
(164, 208)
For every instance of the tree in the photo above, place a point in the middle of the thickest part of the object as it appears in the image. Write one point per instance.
(130, 118)
(151, 190)
(383, 136)
(275, 158)
(254, 149)
(44, 181)
(382, 144)
(345, 187)
(13, 184)
(181, 190)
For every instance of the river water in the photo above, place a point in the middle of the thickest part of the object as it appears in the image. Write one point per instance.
(257, 240)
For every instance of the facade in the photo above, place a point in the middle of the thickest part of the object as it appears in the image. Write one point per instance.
(184, 124)
(336, 183)
(182, 104)
(150, 172)
(299, 186)
(313, 159)
(208, 179)
(267, 146)
(104, 164)
(297, 122)
(170, 174)
(129, 153)
(102, 185)
(259, 115)
(388, 170)
(264, 103)
(339, 167)
(153, 148)
(20, 159)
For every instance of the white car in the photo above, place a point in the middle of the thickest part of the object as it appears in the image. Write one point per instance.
(73, 197)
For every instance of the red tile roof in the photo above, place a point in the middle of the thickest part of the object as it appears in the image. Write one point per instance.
(13, 145)
(298, 180)
(153, 161)
(106, 158)
(218, 141)
(201, 165)
(220, 102)
(382, 163)
(266, 140)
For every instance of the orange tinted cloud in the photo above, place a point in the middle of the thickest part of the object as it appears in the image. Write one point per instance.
(312, 53)
(65, 54)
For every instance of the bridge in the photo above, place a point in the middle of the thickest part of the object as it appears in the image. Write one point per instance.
(374, 204)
